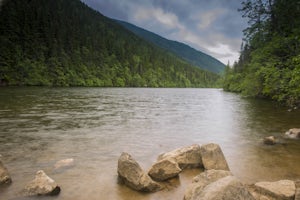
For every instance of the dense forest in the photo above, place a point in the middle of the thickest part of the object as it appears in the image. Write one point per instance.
(181, 50)
(66, 43)
(269, 62)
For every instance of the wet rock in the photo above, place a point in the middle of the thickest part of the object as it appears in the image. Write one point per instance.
(4, 175)
(133, 176)
(271, 140)
(226, 188)
(202, 180)
(41, 185)
(164, 169)
(64, 164)
(293, 133)
(279, 190)
(186, 157)
(213, 157)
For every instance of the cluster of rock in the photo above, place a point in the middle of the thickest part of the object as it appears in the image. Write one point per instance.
(293, 133)
(41, 184)
(216, 182)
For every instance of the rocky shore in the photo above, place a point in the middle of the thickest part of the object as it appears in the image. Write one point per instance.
(215, 183)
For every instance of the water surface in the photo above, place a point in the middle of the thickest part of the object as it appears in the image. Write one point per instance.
(39, 126)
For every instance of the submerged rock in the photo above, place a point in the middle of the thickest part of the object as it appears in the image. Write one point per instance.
(293, 133)
(64, 164)
(271, 140)
(41, 185)
(133, 176)
(213, 157)
(279, 190)
(202, 180)
(164, 169)
(186, 157)
(4, 175)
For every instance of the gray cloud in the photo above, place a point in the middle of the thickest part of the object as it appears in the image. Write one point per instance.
(214, 26)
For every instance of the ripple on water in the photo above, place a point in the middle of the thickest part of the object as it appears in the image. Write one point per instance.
(39, 126)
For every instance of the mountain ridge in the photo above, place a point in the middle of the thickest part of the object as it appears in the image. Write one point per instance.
(184, 51)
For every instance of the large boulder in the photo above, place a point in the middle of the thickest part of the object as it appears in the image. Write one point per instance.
(133, 176)
(226, 188)
(164, 169)
(202, 180)
(279, 190)
(41, 185)
(4, 175)
(293, 133)
(186, 157)
(213, 157)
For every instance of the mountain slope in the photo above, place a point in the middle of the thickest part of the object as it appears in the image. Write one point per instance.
(184, 51)
(66, 43)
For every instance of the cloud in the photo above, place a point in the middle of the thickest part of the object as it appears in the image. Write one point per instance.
(214, 27)
(162, 18)
(207, 18)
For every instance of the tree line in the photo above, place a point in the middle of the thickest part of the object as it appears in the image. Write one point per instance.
(269, 62)
(66, 43)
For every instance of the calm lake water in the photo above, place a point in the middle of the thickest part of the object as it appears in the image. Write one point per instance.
(39, 126)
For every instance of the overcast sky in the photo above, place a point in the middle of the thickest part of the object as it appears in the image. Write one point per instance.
(211, 26)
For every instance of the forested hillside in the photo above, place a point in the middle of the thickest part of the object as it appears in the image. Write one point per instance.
(65, 43)
(269, 63)
(184, 51)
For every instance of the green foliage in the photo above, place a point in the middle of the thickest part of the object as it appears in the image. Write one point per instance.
(269, 62)
(65, 43)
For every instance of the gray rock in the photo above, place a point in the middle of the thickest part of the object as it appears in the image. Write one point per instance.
(41, 185)
(4, 175)
(186, 157)
(215, 185)
(213, 157)
(226, 188)
(271, 140)
(293, 133)
(164, 169)
(202, 180)
(279, 190)
(133, 176)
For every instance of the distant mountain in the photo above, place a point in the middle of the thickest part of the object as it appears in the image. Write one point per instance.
(184, 51)
(66, 43)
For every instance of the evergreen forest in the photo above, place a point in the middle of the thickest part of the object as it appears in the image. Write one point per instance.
(66, 43)
(269, 62)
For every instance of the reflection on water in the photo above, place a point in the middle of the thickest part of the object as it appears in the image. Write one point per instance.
(39, 126)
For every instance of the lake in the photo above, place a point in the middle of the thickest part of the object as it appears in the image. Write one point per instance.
(39, 126)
